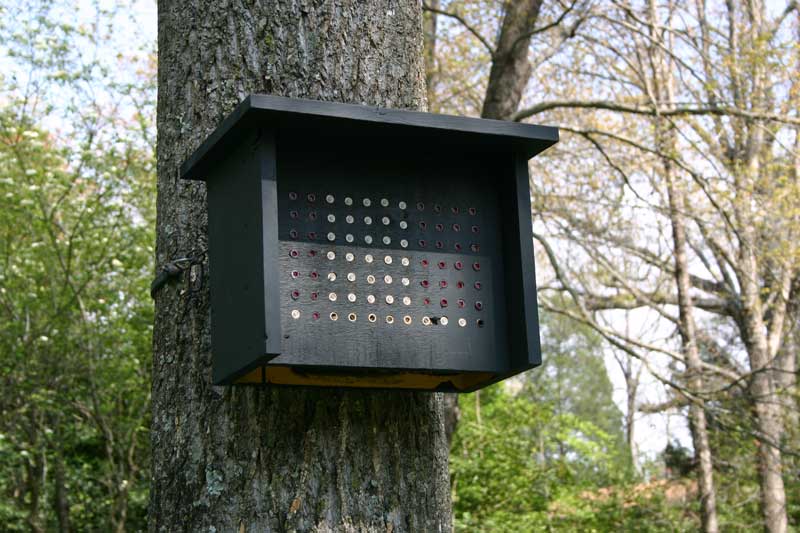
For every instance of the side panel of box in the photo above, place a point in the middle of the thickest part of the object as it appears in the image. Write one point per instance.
(236, 261)
(520, 272)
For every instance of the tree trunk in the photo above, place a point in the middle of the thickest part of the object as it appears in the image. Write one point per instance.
(511, 67)
(697, 410)
(253, 459)
(60, 501)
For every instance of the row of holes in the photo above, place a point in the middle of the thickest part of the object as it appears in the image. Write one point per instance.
(388, 280)
(407, 320)
(388, 259)
(386, 239)
(406, 300)
(384, 202)
(312, 216)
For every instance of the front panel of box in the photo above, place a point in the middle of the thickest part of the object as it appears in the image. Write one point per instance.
(387, 263)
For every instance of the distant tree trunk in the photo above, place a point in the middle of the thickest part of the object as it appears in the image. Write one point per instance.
(697, 410)
(511, 66)
(60, 501)
(256, 459)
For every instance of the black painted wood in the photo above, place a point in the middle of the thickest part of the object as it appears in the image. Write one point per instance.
(292, 181)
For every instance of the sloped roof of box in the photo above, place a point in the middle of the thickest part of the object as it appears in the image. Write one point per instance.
(319, 120)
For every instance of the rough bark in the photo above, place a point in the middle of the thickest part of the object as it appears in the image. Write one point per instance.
(262, 459)
(511, 67)
(429, 27)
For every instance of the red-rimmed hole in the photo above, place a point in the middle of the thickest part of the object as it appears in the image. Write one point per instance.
(460, 284)
(437, 208)
(315, 315)
(456, 227)
(457, 246)
(422, 224)
(424, 262)
(439, 227)
(425, 283)
(475, 248)
(314, 295)
(454, 210)
(443, 284)
(295, 295)
(472, 211)
(422, 243)
(442, 264)
(459, 265)
(476, 266)
(478, 285)
(314, 275)
(460, 303)
(439, 244)
(293, 196)
(420, 206)
(293, 214)
(294, 253)
(443, 302)
(295, 274)
(475, 229)
(312, 235)
(426, 301)
(293, 233)
(312, 253)
(479, 306)
(312, 215)
(311, 197)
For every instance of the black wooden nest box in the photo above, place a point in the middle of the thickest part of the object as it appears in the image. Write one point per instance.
(364, 247)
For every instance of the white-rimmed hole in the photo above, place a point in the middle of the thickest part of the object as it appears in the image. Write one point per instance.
(367, 202)
(367, 220)
(443, 321)
(403, 224)
(371, 298)
(404, 243)
(331, 255)
(330, 199)
(402, 205)
(295, 314)
(368, 239)
(386, 221)
(426, 321)
(384, 202)
(405, 281)
(349, 237)
(334, 316)
(389, 299)
(351, 276)
(370, 279)
(352, 317)
(349, 256)
(348, 200)
(406, 300)
(387, 279)
(368, 258)
(349, 219)
(387, 240)
(331, 218)
(405, 261)
(371, 317)
(389, 319)
(331, 236)
(406, 320)
(332, 296)
(388, 259)
(331, 276)
(462, 322)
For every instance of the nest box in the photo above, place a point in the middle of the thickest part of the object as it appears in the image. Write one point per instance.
(365, 247)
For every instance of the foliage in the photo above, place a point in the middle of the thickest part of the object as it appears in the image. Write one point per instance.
(76, 231)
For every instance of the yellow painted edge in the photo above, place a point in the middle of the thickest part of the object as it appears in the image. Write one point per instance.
(286, 375)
